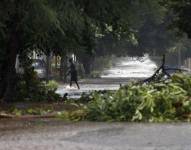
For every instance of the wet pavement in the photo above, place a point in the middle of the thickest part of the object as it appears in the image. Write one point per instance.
(75, 93)
(54, 134)
(130, 67)
(89, 85)
(124, 70)
(59, 135)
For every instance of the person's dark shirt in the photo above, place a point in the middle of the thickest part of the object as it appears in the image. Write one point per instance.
(72, 68)
(73, 72)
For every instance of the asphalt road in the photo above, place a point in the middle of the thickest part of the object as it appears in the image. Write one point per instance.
(59, 135)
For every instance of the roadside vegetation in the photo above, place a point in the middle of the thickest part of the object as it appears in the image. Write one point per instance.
(152, 102)
(165, 101)
(93, 31)
(36, 91)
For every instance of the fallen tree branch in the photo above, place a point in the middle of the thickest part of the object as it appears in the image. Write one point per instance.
(161, 73)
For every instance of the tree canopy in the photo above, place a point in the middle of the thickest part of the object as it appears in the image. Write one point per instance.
(87, 28)
(181, 10)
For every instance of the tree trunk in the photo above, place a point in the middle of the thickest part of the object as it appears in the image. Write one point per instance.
(87, 68)
(87, 61)
(56, 62)
(63, 68)
(3, 72)
(13, 46)
(48, 67)
(10, 73)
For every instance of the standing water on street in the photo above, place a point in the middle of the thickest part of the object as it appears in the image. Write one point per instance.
(124, 69)
(131, 67)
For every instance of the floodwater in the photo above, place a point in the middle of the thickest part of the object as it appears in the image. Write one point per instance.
(54, 134)
(131, 67)
(124, 70)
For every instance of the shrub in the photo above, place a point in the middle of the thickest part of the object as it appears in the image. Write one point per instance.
(37, 90)
(153, 102)
(51, 85)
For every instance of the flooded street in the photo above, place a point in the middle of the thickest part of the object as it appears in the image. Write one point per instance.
(125, 69)
(59, 135)
(131, 67)
(55, 134)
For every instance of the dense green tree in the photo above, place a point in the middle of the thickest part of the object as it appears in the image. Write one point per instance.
(181, 10)
(24, 24)
(78, 26)
(45, 25)
(148, 32)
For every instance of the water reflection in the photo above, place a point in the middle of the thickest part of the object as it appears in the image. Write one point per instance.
(128, 67)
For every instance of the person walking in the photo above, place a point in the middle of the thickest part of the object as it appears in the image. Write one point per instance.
(73, 73)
